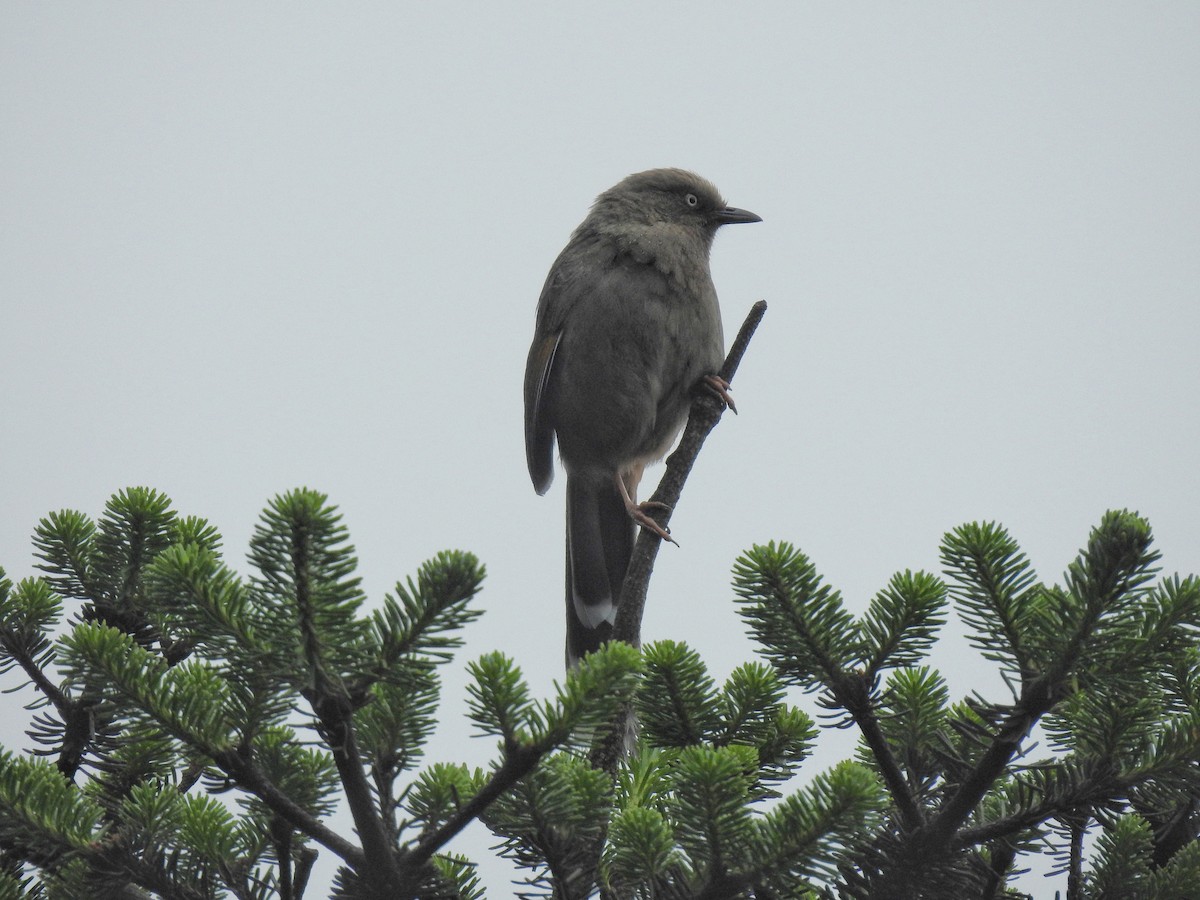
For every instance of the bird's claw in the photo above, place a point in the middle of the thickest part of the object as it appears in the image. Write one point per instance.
(637, 512)
(720, 387)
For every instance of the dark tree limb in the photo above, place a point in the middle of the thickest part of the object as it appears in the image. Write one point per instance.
(855, 696)
(334, 712)
(1075, 866)
(1006, 744)
(245, 774)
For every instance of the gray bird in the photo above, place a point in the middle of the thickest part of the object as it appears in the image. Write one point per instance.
(627, 326)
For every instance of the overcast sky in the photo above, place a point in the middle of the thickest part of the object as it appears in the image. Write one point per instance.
(249, 247)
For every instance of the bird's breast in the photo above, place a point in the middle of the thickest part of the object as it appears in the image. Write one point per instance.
(632, 350)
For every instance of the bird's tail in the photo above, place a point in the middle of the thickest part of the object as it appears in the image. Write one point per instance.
(600, 537)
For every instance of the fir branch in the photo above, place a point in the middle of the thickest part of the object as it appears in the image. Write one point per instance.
(422, 621)
(1122, 867)
(1105, 577)
(677, 703)
(1105, 581)
(991, 765)
(810, 832)
(64, 542)
(499, 699)
(801, 622)
(27, 613)
(516, 765)
(334, 713)
(189, 714)
(300, 549)
(601, 683)
(336, 727)
(995, 590)
(710, 807)
(1062, 788)
(245, 774)
(902, 621)
(136, 526)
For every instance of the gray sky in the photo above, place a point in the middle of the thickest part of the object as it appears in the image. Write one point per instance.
(245, 248)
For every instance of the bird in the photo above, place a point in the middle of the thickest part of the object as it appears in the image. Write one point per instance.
(627, 326)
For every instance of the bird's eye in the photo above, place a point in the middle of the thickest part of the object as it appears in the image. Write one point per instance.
(692, 200)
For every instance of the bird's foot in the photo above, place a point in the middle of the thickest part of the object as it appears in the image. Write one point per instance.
(720, 387)
(638, 512)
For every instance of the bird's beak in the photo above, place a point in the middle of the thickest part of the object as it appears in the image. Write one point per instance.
(731, 215)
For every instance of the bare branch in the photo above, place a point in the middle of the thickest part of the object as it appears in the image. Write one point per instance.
(706, 412)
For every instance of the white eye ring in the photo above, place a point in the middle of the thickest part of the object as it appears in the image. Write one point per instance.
(692, 200)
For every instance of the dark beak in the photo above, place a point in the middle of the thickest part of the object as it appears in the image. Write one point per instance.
(731, 215)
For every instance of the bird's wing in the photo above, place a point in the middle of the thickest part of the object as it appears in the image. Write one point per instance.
(539, 433)
(564, 290)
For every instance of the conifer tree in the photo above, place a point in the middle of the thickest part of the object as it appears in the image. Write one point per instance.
(194, 728)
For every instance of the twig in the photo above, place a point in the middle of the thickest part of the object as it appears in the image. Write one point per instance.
(705, 413)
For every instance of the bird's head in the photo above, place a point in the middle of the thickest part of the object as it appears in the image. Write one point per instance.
(672, 197)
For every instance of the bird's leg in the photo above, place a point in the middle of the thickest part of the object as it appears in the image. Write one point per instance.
(637, 511)
(720, 387)
(630, 481)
